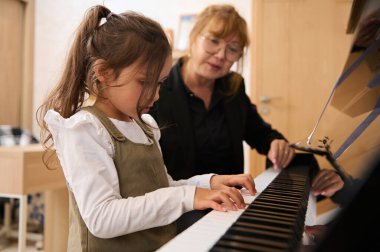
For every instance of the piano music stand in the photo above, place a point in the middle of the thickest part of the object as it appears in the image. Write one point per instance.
(323, 150)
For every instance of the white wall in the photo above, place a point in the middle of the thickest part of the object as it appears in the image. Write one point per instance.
(57, 20)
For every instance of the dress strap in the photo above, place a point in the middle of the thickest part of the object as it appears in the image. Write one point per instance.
(115, 133)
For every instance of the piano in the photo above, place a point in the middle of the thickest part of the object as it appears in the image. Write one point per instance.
(273, 221)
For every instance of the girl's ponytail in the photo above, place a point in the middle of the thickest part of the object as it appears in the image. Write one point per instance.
(70, 93)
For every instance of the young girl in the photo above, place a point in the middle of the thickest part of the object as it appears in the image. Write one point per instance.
(121, 197)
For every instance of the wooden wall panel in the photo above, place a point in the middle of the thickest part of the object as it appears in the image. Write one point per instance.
(11, 15)
(16, 52)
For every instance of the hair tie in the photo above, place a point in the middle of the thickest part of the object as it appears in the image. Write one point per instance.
(109, 15)
(105, 19)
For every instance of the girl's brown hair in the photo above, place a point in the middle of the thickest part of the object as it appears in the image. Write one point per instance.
(232, 23)
(124, 39)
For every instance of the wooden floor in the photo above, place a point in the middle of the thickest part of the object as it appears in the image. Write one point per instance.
(10, 245)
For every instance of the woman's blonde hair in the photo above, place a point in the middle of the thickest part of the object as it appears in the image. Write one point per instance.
(124, 39)
(231, 23)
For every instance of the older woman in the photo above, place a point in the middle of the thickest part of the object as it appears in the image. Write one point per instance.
(203, 106)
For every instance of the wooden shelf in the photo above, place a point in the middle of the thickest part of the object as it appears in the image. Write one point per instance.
(23, 171)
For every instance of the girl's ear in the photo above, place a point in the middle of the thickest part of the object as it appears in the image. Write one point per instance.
(102, 73)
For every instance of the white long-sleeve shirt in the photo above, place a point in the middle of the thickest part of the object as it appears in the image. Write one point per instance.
(85, 151)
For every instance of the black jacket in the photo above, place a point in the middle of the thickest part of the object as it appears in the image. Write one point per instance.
(171, 112)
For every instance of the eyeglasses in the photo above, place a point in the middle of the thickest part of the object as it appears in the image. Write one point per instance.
(212, 45)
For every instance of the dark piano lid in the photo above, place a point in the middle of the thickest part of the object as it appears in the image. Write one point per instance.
(355, 228)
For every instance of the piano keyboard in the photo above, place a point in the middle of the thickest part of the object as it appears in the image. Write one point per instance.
(223, 231)
(275, 221)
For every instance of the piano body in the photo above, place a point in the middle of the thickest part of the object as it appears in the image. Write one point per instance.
(274, 221)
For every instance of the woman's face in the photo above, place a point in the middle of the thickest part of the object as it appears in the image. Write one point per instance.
(123, 93)
(212, 57)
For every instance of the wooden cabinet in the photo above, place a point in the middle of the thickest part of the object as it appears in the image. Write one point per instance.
(23, 172)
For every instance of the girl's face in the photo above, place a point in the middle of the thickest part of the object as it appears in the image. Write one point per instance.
(213, 57)
(123, 93)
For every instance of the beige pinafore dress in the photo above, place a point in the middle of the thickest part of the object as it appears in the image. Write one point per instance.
(140, 170)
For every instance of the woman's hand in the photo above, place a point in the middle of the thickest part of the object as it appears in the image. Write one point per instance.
(326, 183)
(280, 153)
(243, 180)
